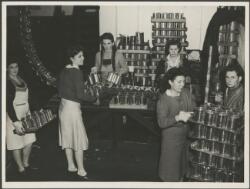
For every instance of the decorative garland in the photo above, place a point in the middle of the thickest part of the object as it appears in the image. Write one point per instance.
(30, 50)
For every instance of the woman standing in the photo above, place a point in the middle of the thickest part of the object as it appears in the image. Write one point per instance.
(72, 134)
(17, 107)
(109, 59)
(173, 59)
(173, 110)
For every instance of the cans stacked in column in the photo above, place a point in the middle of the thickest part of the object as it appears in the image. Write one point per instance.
(228, 43)
(166, 27)
(137, 56)
(215, 154)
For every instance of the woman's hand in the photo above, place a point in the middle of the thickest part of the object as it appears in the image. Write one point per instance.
(183, 116)
(19, 128)
(94, 69)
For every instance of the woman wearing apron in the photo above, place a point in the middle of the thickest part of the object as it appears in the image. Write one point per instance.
(17, 107)
(72, 135)
(108, 59)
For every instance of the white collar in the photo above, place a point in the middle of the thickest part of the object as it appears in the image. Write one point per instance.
(72, 66)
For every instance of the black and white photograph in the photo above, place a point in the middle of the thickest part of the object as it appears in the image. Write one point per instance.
(125, 94)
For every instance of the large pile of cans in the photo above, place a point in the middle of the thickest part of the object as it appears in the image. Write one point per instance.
(37, 119)
(166, 27)
(215, 154)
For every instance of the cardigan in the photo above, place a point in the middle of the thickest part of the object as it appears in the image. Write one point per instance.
(70, 86)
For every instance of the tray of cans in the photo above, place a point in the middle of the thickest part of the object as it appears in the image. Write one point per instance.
(219, 118)
(223, 150)
(36, 120)
(203, 173)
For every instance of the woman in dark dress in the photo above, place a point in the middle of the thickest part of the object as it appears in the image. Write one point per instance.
(174, 108)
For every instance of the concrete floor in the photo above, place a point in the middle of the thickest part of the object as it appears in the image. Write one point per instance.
(134, 159)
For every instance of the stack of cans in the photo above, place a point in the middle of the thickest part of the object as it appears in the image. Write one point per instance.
(37, 119)
(216, 150)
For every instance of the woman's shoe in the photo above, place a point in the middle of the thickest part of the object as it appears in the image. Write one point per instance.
(83, 178)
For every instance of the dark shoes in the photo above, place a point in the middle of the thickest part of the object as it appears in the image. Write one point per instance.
(83, 178)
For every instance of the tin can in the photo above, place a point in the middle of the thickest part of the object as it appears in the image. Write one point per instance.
(158, 40)
(233, 151)
(177, 15)
(232, 37)
(233, 25)
(163, 24)
(222, 120)
(220, 176)
(163, 33)
(225, 150)
(209, 133)
(183, 25)
(209, 116)
(145, 56)
(157, 25)
(203, 131)
(196, 171)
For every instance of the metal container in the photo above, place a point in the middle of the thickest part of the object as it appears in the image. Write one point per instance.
(209, 117)
(163, 33)
(233, 25)
(163, 25)
(225, 149)
(157, 25)
(222, 120)
(94, 78)
(199, 114)
(209, 133)
(216, 134)
(232, 37)
(220, 176)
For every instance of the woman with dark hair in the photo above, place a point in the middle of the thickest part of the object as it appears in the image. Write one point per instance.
(174, 108)
(72, 135)
(233, 75)
(173, 59)
(109, 59)
(17, 108)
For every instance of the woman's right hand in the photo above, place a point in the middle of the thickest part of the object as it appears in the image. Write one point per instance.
(19, 128)
(184, 116)
(94, 70)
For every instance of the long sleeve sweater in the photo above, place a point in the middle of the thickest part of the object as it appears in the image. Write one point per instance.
(71, 86)
(10, 96)
(168, 107)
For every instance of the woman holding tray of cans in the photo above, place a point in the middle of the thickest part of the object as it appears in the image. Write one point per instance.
(17, 103)
(174, 108)
(109, 59)
(72, 135)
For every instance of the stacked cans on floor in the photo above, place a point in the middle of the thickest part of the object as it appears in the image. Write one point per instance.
(215, 154)
(37, 119)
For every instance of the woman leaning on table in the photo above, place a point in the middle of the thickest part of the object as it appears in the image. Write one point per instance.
(109, 59)
(72, 135)
(174, 108)
(17, 107)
